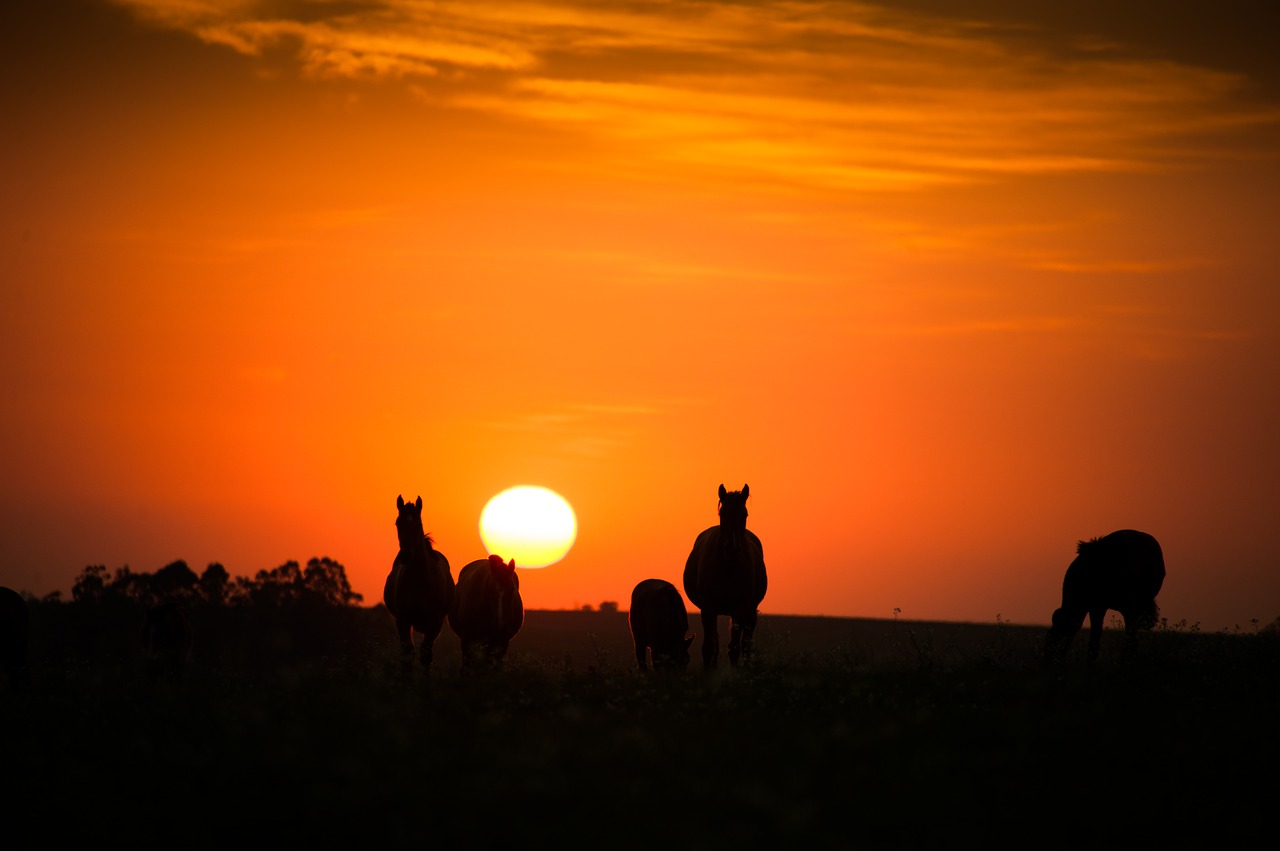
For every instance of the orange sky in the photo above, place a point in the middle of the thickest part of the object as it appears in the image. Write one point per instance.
(950, 294)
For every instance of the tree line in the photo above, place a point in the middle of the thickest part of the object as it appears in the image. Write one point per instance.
(321, 582)
(290, 614)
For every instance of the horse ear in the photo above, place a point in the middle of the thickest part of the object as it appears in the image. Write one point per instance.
(746, 491)
(512, 565)
(722, 491)
(418, 504)
(399, 502)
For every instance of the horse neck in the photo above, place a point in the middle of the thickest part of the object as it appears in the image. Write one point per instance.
(502, 605)
(417, 556)
(507, 596)
(733, 527)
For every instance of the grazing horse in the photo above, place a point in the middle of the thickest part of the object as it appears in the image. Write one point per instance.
(725, 575)
(659, 625)
(419, 589)
(15, 627)
(1122, 571)
(166, 639)
(487, 611)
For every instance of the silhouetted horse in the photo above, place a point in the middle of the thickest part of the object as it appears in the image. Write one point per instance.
(419, 589)
(166, 639)
(1122, 571)
(15, 627)
(725, 575)
(487, 611)
(659, 624)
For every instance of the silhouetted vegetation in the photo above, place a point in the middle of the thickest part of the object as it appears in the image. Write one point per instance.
(211, 708)
(15, 630)
(290, 612)
(843, 733)
(323, 582)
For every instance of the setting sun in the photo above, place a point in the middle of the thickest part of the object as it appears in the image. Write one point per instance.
(533, 525)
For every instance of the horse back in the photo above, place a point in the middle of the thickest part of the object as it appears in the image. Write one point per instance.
(475, 612)
(724, 574)
(419, 590)
(1118, 571)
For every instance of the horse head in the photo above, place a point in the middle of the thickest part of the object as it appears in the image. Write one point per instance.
(733, 507)
(504, 573)
(409, 524)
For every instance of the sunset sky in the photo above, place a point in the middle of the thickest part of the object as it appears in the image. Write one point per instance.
(950, 293)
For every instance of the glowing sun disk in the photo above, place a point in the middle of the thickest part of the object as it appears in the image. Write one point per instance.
(533, 525)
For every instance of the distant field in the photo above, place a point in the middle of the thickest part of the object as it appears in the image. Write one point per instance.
(845, 733)
(604, 638)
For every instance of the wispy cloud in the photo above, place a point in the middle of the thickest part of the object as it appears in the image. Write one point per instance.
(1135, 267)
(589, 429)
(1132, 330)
(848, 96)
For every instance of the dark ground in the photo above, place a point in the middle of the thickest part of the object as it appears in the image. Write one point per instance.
(845, 733)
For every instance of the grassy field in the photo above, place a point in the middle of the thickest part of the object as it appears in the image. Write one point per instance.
(844, 733)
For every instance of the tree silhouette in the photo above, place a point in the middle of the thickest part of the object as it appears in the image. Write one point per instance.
(277, 588)
(215, 584)
(325, 580)
(174, 581)
(91, 584)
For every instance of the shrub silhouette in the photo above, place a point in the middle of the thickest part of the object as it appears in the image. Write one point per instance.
(15, 629)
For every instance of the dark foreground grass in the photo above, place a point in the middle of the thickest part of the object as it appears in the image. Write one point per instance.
(901, 735)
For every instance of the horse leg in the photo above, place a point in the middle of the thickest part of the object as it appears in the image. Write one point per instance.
(710, 640)
(426, 652)
(1130, 638)
(405, 630)
(735, 641)
(1096, 617)
(1065, 624)
(748, 627)
(471, 652)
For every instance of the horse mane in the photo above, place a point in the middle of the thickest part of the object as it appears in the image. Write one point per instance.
(1081, 546)
(428, 540)
(496, 560)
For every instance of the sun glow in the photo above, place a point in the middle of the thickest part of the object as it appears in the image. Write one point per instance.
(533, 525)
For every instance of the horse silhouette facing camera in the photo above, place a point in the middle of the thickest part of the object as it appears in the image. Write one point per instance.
(1124, 572)
(419, 589)
(15, 628)
(724, 575)
(659, 625)
(487, 611)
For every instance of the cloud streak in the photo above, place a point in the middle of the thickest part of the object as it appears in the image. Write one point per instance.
(844, 96)
(589, 430)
